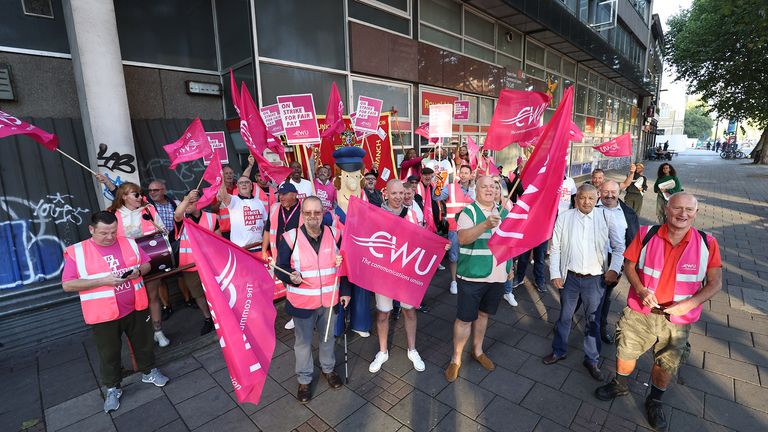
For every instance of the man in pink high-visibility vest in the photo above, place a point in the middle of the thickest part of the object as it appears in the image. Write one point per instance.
(672, 270)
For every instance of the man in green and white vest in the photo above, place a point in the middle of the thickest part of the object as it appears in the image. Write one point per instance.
(480, 278)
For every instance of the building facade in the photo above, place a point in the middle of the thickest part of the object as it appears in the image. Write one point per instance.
(117, 80)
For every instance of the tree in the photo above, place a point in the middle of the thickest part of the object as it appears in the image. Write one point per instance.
(697, 123)
(720, 47)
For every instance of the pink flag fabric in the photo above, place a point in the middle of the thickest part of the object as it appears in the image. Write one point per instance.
(235, 92)
(192, 145)
(531, 220)
(239, 291)
(493, 170)
(10, 125)
(423, 130)
(620, 146)
(212, 175)
(400, 257)
(472, 150)
(576, 133)
(257, 138)
(517, 118)
(334, 114)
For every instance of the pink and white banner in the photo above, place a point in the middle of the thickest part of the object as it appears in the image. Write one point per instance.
(10, 125)
(461, 111)
(440, 121)
(212, 175)
(517, 118)
(620, 146)
(271, 116)
(384, 254)
(367, 115)
(218, 142)
(299, 120)
(192, 145)
(239, 291)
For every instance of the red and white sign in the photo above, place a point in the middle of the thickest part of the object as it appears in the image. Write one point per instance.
(441, 121)
(400, 257)
(461, 111)
(517, 118)
(239, 291)
(618, 147)
(367, 115)
(428, 99)
(271, 116)
(10, 125)
(218, 141)
(299, 120)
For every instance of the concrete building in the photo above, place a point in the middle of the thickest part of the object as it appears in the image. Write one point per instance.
(117, 80)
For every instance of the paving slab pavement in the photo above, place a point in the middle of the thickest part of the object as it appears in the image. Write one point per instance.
(723, 386)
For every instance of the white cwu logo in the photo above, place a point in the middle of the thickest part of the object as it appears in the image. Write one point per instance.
(225, 279)
(383, 239)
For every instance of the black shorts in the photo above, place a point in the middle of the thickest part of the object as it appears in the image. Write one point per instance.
(477, 296)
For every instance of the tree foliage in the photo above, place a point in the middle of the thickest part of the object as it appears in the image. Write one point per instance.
(720, 47)
(697, 123)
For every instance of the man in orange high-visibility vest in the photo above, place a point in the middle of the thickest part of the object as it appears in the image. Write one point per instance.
(106, 271)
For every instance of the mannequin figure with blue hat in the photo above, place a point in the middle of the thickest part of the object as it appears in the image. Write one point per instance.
(349, 161)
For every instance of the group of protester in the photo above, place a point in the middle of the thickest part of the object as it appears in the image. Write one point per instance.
(298, 225)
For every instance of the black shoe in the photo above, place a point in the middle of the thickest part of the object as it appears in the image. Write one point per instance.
(334, 380)
(552, 359)
(304, 394)
(166, 312)
(396, 314)
(207, 326)
(191, 303)
(606, 337)
(654, 413)
(594, 371)
(611, 390)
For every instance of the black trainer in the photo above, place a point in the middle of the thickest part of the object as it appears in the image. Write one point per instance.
(207, 326)
(611, 390)
(166, 312)
(654, 413)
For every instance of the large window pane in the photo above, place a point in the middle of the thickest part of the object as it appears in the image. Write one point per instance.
(592, 105)
(283, 80)
(478, 28)
(553, 61)
(242, 74)
(583, 76)
(534, 53)
(480, 52)
(302, 31)
(510, 42)
(397, 4)
(593, 80)
(473, 108)
(378, 17)
(171, 32)
(535, 72)
(429, 34)
(511, 64)
(234, 27)
(600, 112)
(23, 31)
(445, 14)
(581, 99)
(391, 95)
(486, 110)
(569, 68)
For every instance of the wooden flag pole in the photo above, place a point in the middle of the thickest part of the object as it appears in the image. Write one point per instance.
(76, 161)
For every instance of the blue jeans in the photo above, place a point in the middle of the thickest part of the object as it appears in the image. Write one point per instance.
(539, 253)
(590, 290)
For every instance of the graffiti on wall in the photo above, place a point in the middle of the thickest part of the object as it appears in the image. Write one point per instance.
(115, 161)
(30, 249)
(179, 181)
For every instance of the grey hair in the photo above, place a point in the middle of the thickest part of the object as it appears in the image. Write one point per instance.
(586, 187)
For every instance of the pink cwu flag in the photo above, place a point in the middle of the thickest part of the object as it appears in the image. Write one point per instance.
(531, 220)
(10, 125)
(400, 257)
(517, 118)
(472, 150)
(192, 145)
(257, 138)
(212, 175)
(334, 114)
(423, 130)
(618, 147)
(239, 291)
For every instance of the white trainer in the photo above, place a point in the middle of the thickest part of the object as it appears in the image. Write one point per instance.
(364, 334)
(290, 325)
(510, 298)
(379, 360)
(418, 363)
(112, 401)
(155, 377)
(161, 339)
(454, 288)
(440, 267)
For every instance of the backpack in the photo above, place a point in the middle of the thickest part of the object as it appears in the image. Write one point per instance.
(655, 228)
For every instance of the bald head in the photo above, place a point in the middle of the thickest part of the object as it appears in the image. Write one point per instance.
(681, 211)
(609, 193)
(395, 194)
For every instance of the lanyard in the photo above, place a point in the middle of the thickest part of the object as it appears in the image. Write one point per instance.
(282, 215)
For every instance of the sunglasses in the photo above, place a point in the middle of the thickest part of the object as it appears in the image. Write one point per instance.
(135, 194)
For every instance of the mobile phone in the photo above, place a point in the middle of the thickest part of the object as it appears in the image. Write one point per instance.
(126, 274)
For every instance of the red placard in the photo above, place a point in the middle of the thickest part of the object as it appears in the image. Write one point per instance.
(218, 141)
(299, 119)
(461, 111)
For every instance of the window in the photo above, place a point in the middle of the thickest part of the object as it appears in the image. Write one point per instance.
(362, 11)
(279, 80)
(234, 28)
(445, 14)
(38, 8)
(534, 53)
(480, 52)
(553, 61)
(479, 28)
(569, 68)
(510, 42)
(393, 95)
(440, 38)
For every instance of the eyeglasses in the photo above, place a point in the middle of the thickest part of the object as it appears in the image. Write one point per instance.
(135, 194)
(154, 190)
(244, 183)
(312, 213)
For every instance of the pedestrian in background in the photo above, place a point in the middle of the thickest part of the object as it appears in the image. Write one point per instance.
(666, 185)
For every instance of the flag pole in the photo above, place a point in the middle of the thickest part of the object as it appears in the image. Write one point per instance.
(330, 308)
(309, 167)
(76, 161)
